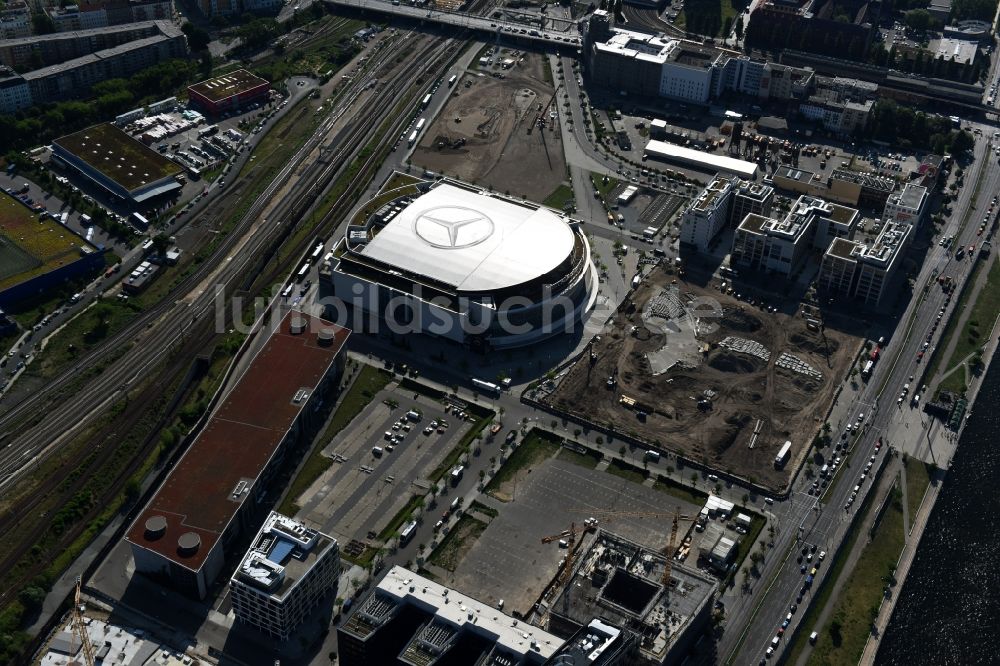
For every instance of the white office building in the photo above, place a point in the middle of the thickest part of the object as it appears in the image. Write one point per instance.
(708, 214)
(909, 205)
(287, 570)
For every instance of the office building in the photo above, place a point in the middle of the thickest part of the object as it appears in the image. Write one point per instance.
(909, 205)
(408, 619)
(287, 570)
(708, 214)
(856, 270)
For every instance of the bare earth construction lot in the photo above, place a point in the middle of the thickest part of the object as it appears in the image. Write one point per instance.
(504, 147)
(707, 378)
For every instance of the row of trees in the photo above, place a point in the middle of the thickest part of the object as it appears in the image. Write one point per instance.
(41, 124)
(907, 127)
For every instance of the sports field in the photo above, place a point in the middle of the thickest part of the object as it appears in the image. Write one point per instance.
(29, 246)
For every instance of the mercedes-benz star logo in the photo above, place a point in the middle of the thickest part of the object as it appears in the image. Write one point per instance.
(452, 227)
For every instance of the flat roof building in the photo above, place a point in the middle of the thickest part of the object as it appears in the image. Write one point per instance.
(228, 91)
(669, 152)
(411, 620)
(57, 47)
(115, 161)
(286, 571)
(597, 644)
(708, 213)
(862, 271)
(909, 205)
(187, 530)
(621, 582)
(781, 246)
(465, 264)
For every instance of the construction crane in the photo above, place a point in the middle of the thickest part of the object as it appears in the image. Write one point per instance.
(670, 550)
(570, 534)
(81, 631)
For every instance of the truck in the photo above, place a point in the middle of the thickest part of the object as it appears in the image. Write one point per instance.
(866, 372)
(452, 80)
(413, 139)
(420, 125)
(456, 474)
(783, 454)
(426, 102)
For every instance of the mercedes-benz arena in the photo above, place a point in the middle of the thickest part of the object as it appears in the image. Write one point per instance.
(467, 265)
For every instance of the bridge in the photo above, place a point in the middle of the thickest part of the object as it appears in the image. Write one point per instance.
(523, 33)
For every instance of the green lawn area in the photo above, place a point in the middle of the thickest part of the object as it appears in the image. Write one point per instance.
(626, 471)
(368, 383)
(597, 180)
(748, 540)
(590, 459)
(537, 447)
(483, 509)
(979, 324)
(401, 517)
(667, 485)
(559, 199)
(917, 480)
(84, 332)
(457, 543)
(843, 639)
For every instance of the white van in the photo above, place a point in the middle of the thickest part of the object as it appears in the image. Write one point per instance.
(377, 451)
(813, 636)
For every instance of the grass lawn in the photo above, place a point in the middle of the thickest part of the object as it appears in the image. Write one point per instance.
(667, 485)
(483, 509)
(559, 199)
(980, 322)
(917, 480)
(597, 180)
(626, 471)
(367, 384)
(588, 459)
(708, 17)
(460, 539)
(747, 542)
(84, 332)
(536, 448)
(401, 517)
(843, 640)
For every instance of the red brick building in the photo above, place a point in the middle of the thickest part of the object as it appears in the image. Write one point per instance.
(227, 92)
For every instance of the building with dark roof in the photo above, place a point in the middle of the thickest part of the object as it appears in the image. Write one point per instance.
(186, 532)
(286, 571)
(228, 91)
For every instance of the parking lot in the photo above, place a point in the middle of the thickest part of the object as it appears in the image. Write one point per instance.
(381, 460)
(509, 560)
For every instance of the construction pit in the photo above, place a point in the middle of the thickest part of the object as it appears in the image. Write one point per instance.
(499, 132)
(702, 374)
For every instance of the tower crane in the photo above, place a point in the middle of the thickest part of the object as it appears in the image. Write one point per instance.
(670, 550)
(80, 629)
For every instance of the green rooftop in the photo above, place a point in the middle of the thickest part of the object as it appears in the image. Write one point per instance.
(118, 156)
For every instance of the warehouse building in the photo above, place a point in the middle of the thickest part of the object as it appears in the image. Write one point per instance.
(115, 161)
(408, 619)
(627, 587)
(464, 264)
(287, 570)
(228, 92)
(696, 159)
(186, 532)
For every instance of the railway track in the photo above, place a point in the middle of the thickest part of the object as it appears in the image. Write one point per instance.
(159, 331)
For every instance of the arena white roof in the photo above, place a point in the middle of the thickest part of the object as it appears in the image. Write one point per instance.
(472, 241)
(701, 159)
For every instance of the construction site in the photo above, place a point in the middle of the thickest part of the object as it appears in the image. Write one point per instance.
(716, 377)
(499, 128)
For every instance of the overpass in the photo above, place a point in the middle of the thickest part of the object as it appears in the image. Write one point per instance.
(520, 33)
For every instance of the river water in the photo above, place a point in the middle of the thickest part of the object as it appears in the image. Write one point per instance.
(949, 609)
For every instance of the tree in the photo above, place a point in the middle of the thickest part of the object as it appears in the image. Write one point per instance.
(198, 39)
(918, 19)
(42, 24)
(739, 27)
(32, 597)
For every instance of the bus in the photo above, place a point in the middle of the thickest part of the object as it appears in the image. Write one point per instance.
(407, 532)
(317, 251)
(426, 102)
(303, 271)
(451, 81)
(420, 124)
(485, 386)
(413, 138)
(783, 454)
(288, 291)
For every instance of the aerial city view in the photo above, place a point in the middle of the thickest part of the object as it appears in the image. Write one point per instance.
(499, 332)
